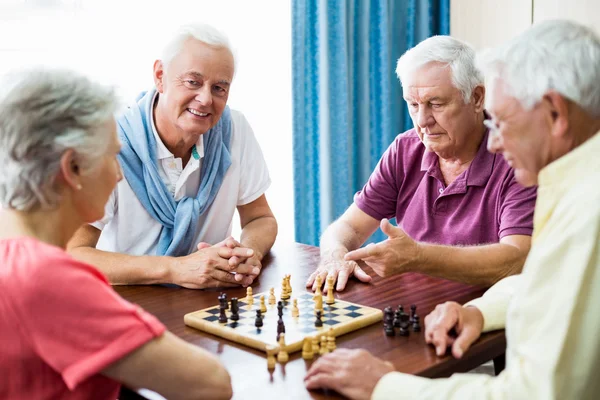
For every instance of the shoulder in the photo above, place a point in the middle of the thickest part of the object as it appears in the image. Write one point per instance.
(45, 268)
(239, 122)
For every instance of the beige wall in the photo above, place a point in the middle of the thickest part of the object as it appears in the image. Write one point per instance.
(584, 11)
(485, 23)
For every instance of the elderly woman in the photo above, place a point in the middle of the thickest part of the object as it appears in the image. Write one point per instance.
(64, 333)
(461, 214)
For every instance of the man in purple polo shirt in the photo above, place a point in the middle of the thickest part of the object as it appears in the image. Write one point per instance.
(461, 214)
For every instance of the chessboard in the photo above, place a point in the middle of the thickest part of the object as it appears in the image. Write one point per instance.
(341, 317)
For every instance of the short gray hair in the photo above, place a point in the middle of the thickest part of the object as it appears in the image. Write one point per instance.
(451, 52)
(552, 55)
(43, 113)
(203, 33)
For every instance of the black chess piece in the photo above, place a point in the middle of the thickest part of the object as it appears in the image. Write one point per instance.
(388, 316)
(258, 321)
(413, 311)
(401, 309)
(280, 328)
(404, 325)
(416, 326)
(319, 321)
(397, 316)
(222, 314)
(235, 316)
(280, 308)
(223, 300)
(389, 330)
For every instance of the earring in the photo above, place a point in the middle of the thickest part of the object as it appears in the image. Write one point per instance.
(79, 187)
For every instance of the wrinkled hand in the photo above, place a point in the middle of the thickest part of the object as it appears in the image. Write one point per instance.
(236, 260)
(450, 318)
(395, 255)
(352, 373)
(332, 263)
(211, 267)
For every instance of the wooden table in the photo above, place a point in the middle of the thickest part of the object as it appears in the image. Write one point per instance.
(248, 367)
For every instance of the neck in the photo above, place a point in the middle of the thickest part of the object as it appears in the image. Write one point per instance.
(177, 143)
(465, 154)
(49, 226)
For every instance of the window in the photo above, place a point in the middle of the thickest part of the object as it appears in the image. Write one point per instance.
(116, 42)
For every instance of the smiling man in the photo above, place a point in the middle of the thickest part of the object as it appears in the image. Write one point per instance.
(461, 214)
(188, 161)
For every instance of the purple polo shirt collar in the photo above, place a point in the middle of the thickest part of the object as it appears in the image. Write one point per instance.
(477, 174)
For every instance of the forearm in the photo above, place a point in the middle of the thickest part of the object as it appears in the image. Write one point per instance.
(124, 269)
(259, 235)
(476, 265)
(338, 239)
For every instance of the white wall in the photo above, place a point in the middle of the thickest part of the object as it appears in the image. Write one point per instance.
(116, 42)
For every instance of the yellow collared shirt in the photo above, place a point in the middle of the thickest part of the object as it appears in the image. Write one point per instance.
(551, 311)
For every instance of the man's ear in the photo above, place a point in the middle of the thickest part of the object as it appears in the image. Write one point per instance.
(158, 74)
(557, 108)
(70, 171)
(478, 98)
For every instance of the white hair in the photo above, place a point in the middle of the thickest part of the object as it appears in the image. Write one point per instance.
(201, 32)
(450, 52)
(552, 55)
(43, 113)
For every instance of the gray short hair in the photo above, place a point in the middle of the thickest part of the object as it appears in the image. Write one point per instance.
(203, 33)
(552, 55)
(43, 113)
(451, 52)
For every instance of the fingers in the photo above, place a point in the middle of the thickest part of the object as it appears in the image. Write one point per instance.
(323, 275)
(246, 269)
(222, 278)
(203, 245)
(342, 279)
(361, 274)
(370, 250)
(438, 325)
(324, 364)
(226, 252)
(464, 340)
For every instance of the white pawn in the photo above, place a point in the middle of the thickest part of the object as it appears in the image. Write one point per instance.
(295, 310)
(282, 356)
(249, 297)
(272, 299)
(271, 351)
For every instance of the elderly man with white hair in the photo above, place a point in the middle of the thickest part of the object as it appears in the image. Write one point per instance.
(460, 213)
(188, 162)
(544, 97)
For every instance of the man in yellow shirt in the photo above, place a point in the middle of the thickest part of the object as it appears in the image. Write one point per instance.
(544, 96)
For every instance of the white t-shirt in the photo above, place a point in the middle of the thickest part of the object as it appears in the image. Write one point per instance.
(128, 228)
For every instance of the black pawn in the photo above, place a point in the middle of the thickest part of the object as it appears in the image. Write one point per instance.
(389, 330)
(258, 322)
(222, 315)
(413, 312)
(318, 321)
(280, 327)
(280, 308)
(416, 327)
(235, 316)
(223, 300)
(400, 309)
(403, 325)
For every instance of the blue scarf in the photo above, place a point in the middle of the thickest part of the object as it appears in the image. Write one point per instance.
(139, 163)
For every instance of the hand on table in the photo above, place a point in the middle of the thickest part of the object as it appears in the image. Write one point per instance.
(333, 264)
(239, 262)
(395, 255)
(352, 373)
(467, 322)
(212, 267)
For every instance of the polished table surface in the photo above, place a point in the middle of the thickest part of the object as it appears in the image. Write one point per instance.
(248, 367)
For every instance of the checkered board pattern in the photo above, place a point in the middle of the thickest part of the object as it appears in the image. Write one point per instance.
(342, 316)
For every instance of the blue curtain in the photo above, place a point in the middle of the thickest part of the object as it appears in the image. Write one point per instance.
(347, 101)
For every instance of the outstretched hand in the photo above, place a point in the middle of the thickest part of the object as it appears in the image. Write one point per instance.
(397, 254)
